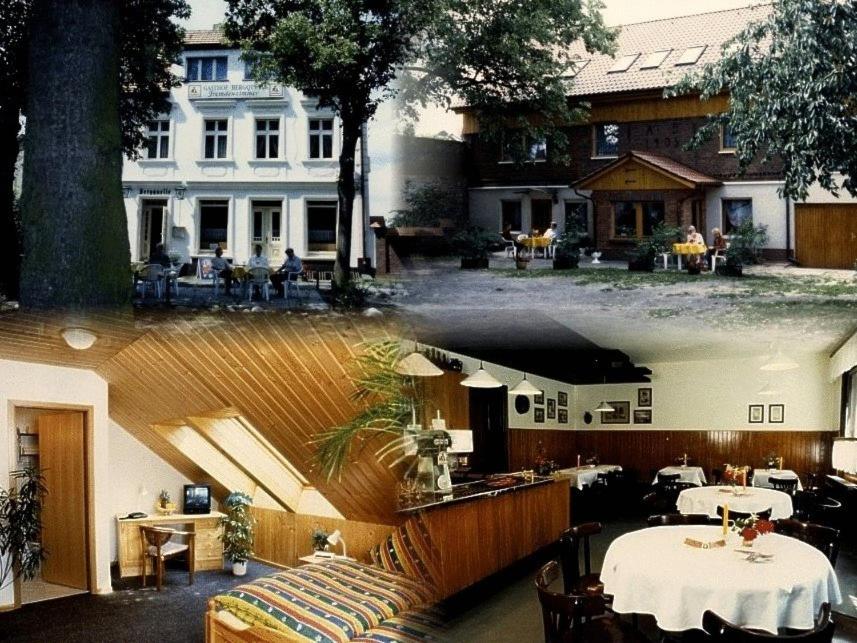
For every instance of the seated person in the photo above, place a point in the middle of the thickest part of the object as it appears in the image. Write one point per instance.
(693, 236)
(507, 232)
(258, 260)
(551, 233)
(223, 268)
(292, 266)
(160, 257)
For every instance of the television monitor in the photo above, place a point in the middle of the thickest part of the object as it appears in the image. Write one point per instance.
(197, 499)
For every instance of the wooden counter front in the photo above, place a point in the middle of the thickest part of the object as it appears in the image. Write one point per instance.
(208, 548)
(479, 537)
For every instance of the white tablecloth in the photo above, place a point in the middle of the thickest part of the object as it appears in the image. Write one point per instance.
(760, 477)
(652, 571)
(705, 500)
(585, 475)
(686, 474)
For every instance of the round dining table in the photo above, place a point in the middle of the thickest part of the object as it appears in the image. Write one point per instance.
(585, 475)
(762, 477)
(694, 475)
(654, 571)
(706, 500)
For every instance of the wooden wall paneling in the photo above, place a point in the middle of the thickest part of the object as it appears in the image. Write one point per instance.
(446, 393)
(632, 175)
(275, 537)
(646, 451)
(654, 108)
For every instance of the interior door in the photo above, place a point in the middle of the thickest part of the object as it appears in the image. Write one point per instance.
(62, 459)
(267, 231)
(542, 212)
(489, 423)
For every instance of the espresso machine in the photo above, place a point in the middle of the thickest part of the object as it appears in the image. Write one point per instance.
(433, 461)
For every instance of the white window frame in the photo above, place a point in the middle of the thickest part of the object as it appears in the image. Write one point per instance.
(169, 135)
(321, 133)
(215, 58)
(280, 137)
(313, 200)
(723, 148)
(227, 133)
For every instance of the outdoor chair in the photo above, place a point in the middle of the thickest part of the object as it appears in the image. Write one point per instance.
(259, 278)
(157, 545)
(152, 275)
(509, 248)
(721, 630)
(291, 283)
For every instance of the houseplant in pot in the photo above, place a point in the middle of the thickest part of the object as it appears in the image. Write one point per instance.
(473, 245)
(21, 526)
(238, 527)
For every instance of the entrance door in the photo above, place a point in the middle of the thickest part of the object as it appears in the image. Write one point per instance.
(151, 227)
(541, 210)
(489, 425)
(267, 231)
(826, 235)
(62, 459)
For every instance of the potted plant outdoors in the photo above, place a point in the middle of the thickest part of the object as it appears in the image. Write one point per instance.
(745, 244)
(238, 531)
(567, 250)
(521, 258)
(21, 553)
(473, 244)
(642, 257)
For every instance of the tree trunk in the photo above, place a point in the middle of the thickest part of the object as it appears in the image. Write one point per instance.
(350, 136)
(10, 246)
(75, 233)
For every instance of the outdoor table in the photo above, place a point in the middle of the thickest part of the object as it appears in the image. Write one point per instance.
(706, 500)
(680, 249)
(585, 475)
(536, 242)
(686, 474)
(761, 477)
(652, 571)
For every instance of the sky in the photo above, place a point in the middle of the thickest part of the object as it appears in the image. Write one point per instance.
(433, 121)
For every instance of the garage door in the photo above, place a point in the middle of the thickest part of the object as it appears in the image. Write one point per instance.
(826, 235)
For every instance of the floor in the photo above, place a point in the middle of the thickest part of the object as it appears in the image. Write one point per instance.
(35, 590)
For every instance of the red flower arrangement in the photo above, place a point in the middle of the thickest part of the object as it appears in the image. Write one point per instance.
(751, 528)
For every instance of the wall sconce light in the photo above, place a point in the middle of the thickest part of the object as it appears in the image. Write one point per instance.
(180, 192)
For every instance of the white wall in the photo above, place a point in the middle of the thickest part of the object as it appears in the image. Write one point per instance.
(486, 205)
(133, 467)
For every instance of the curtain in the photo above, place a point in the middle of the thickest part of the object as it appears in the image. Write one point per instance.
(850, 428)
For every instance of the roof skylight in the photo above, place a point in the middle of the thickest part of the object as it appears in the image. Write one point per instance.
(623, 63)
(690, 55)
(655, 59)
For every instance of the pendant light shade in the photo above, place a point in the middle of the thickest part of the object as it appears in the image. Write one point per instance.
(524, 388)
(417, 365)
(481, 379)
(780, 362)
(603, 408)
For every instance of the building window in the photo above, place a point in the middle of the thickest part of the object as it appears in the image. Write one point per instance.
(321, 138)
(158, 139)
(536, 149)
(267, 138)
(655, 59)
(321, 226)
(623, 63)
(206, 68)
(606, 140)
(213, 224)
(216, 138)
(636, 220)
(510, 217)
(727, 139)
(735, 213)
(690, 55)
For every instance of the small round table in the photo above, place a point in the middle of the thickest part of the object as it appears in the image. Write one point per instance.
(652, 571)
(706, 500)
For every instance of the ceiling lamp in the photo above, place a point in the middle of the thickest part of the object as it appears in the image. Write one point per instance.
(79, 339)
(417, 365)
(525, 388)
(481, 379)
(780, 362)
(603, 408)
(767, 390)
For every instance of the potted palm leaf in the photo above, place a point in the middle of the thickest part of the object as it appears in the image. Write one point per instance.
(21, 554)
(238, 531)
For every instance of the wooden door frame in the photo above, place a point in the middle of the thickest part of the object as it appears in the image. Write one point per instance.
(89, 495)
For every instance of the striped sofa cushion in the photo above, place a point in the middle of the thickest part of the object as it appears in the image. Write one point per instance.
(410, 551)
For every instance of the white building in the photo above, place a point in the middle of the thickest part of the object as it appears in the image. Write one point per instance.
(235, 164)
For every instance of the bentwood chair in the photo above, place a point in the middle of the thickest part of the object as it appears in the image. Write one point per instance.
(569, 543)
(666, 520)
(765, 514)
(824, 539)
(157, 545)
(721, 630)
(787, 485)
(578, 617)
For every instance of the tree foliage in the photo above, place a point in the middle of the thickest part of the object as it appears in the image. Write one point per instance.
(792, 81)
(427, 204)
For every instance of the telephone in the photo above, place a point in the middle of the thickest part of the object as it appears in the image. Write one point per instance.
(137, 514)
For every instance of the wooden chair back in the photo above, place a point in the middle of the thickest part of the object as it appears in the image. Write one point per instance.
(741, 515)
(569, 542)
(824, 539)
(788, 485)
(666, 479)
(665, 520)
(155, 536)
(721, 630)
(561, 613)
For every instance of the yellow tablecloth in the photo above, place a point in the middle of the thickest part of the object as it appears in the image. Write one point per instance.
(536, 242)
(688, 249)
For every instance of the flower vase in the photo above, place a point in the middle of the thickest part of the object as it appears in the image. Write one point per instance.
(748, 543)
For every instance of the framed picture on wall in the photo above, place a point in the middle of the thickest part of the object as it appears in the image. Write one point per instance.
(756, 414)
(562, 416)
(621, 413)
(551, 409)
(562, 398)
(539, 398)
(644, 397)
(539, 416)
(642, 416)
(776, 413)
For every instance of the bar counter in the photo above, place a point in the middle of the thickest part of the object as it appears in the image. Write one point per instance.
(489, 487)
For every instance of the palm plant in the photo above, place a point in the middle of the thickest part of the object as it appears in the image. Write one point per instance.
(389, 400)
(21, 526)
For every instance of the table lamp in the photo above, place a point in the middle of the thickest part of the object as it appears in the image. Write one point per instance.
(335, 538)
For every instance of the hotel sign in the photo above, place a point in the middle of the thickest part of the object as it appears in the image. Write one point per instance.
(202, 91)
